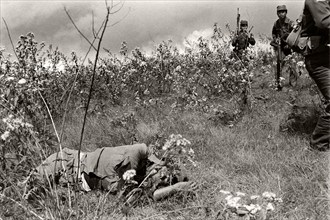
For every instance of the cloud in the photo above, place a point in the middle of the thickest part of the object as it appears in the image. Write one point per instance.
(146, 24)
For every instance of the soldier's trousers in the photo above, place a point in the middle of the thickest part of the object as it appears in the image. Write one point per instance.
(319, 70)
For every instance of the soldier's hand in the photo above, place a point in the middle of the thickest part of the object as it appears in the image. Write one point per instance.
(251, 35)
(186, 186)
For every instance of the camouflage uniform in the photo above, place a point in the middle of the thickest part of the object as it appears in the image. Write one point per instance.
(242, 41)
(281, 30)
(316, 26)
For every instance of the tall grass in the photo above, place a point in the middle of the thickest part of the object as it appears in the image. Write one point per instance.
(251, 148)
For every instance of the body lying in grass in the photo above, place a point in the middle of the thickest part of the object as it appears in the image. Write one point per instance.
(112, 169)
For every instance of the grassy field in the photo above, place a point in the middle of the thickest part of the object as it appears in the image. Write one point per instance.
(262, 148)
(259, 152)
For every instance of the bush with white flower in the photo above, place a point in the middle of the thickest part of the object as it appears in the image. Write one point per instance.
(238, 204)
(177, 151)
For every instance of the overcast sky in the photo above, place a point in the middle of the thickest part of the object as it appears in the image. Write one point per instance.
(142, 23)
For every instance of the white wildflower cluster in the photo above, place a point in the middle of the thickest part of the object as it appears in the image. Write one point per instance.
(129, 175)
(13, 124)
(271, 197)
(301, 64)
(20, 81)
(10, 78)
(176, 140)
(177, 143)
(274, 84)
(5, 135)
(238, 203)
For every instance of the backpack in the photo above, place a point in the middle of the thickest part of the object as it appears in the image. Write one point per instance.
(295, 40)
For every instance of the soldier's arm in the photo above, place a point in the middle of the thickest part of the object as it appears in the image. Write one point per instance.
(274, 34)
(320, 10)
(234, 41)
(170, 190)
(252, 41)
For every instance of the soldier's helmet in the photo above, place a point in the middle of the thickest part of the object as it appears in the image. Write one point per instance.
(244, 23)
(281, 8)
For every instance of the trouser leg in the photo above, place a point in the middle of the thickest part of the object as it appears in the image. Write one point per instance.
(319, 70)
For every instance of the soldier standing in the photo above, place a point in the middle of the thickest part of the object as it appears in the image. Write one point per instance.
(316, 26)
(242, 40)
(281, 30)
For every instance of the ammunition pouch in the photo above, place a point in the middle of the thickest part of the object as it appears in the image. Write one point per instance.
(306, 45)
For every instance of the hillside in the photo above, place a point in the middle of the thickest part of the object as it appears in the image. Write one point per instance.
(246, 136)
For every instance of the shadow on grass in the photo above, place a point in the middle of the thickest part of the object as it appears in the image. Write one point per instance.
(301, 120)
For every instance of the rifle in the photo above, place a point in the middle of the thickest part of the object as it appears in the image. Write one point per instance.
(279, 64)
(237, 29)
(238, 18)
(250, 30)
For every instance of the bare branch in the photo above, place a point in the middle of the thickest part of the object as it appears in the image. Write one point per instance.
(120, 2)
(93, 28)
(59, 142)
(121, 6)
(10, 38)
(66, 11)
(74, 81)
(113, 24)
(91, 85)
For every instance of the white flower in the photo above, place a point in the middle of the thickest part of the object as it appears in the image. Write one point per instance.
(21, 81)
(254, 197)
(191, 151)
(10, 78)
(5, 135)
(282, 78)
(28, 125)
(269, 195)
(225, 192)
(166, 146)
(270, 207)
(240, 194)
(183, 150)
(129, 174)
(252, 208)
(233, 201)
(301, 64)
(278, 200)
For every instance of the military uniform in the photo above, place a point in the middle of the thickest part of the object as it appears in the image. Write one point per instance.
(100, 169)
(281, 30)
(242, 40)
(316, 26)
